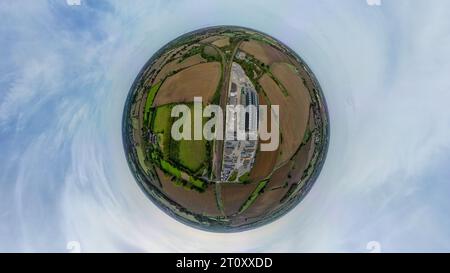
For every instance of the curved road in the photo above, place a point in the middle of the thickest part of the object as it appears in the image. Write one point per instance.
(218, 144)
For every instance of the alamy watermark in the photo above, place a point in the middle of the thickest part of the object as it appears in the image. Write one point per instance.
(242, 123)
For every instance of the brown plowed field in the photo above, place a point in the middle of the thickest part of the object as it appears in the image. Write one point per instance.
(294, 108)
(196, 81)
(264, 52)
(235, 195)
(174, 66)
(265, 161)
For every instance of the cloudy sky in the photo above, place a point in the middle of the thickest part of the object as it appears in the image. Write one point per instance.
(65, 72)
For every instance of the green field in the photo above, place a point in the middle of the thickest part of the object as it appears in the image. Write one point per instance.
(233, 176)
(188, 156)
(162, 126)
(245, 178)
(254, 195)
(191, 154)
(166, 166)
(172, 170)
(162, 123)
(197, 182)
(210, 54)
(149, 102)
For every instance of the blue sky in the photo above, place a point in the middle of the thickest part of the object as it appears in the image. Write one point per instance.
(66, 71)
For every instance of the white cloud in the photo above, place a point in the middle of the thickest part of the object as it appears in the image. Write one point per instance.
(384, 73)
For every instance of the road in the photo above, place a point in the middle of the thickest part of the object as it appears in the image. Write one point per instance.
(218, 144)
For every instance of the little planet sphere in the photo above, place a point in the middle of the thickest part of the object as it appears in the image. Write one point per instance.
(225, 129)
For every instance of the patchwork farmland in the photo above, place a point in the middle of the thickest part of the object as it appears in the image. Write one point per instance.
(183, 177)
